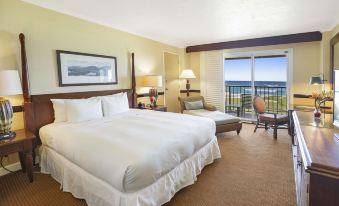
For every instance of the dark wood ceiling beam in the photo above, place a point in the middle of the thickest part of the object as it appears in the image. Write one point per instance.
(265, 41)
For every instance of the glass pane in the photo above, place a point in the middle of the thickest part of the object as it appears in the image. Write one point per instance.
(270, 82)
(238, 87)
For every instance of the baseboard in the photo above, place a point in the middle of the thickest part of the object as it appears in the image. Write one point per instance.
(15, 167)
(12, 167)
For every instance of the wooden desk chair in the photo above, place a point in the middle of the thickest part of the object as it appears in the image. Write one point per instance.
(276, 121)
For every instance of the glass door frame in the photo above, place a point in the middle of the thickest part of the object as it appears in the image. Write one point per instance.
(252, 54)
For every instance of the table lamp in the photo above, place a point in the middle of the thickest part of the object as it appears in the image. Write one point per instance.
(153, 81)
(187, 74)
(9, 85)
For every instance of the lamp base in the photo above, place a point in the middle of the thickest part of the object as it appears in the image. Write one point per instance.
(6, 118)
(153, 95)
(7, 135)
(188, 86)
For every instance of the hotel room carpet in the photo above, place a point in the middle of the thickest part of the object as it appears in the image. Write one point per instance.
(255, 170)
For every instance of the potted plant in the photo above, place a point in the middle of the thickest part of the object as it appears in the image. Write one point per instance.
(319, 99)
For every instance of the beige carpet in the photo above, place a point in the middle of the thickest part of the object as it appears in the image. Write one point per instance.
(255, 170)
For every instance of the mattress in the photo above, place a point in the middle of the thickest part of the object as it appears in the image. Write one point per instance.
(217, 116)
(131, 150)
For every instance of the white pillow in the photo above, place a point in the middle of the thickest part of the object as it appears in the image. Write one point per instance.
(59, 110)
(115, 104)
(83, 109)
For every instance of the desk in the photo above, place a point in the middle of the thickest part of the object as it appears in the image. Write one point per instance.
(316, 159)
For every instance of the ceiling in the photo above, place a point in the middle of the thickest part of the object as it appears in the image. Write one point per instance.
(190, 22)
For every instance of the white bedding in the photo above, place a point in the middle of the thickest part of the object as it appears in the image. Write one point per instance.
(131, 150)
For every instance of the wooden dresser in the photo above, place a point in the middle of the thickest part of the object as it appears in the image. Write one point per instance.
(316, 159)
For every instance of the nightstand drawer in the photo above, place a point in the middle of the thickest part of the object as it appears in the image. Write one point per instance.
(11, 148)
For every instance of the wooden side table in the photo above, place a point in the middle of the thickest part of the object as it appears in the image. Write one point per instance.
(23, 144)
(159, 108)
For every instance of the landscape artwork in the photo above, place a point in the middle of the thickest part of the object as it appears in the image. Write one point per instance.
(79, 69)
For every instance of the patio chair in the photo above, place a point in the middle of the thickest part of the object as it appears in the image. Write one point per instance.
(276, 121)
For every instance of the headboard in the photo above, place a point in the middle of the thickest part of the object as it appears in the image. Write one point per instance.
(38, 109)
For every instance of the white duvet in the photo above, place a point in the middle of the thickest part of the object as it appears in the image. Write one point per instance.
(130, 150)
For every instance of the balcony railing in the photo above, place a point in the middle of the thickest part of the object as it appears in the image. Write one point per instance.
(239, 99)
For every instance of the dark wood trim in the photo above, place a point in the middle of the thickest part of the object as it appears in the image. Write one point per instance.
(17, 109)
(24, 71)
(302, 96)
(29, 122)
(256, 57)
(191, 91)
(265, 41)
(333, 42)
(59, 52)
(269, 56)
(237, 58)
(134, 91)
(147, 95)
(163, 93)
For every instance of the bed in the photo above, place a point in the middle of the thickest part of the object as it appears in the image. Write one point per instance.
(138, 157)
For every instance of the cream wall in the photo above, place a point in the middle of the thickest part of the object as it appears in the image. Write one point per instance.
(335, 30)
(47, 31)
(193, 62)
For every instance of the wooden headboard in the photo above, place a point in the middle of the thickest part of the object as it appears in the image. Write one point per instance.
(38, 109)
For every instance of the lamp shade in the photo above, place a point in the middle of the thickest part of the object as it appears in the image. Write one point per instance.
(187, 74)
(150, 81)
(10, 83)
(315, 80)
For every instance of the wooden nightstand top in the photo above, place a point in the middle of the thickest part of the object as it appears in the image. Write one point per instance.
(21, 135)
(161, 108)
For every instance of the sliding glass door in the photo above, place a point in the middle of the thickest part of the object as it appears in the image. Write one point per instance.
(239, 86)
(256, 74)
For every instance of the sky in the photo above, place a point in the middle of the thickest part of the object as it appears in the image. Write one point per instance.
(266, 69)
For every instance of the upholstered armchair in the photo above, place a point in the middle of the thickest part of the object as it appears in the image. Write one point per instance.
(276, 121)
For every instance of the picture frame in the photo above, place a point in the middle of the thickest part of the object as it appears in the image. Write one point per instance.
(82, 69)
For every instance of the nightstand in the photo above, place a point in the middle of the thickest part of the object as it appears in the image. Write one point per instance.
(160, 108)
(23, 144)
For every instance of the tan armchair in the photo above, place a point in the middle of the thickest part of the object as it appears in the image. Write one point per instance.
(224, 122)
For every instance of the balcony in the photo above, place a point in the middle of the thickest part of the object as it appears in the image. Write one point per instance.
(239, 100)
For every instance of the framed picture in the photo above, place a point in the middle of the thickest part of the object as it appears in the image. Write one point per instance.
(79, 69)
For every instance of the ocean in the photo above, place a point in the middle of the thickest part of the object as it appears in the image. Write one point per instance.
(256, 83)
(263, 88)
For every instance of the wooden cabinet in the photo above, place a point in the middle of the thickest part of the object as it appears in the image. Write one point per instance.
(316, 160)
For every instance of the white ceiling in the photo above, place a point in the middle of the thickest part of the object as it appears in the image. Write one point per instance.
(190, 22)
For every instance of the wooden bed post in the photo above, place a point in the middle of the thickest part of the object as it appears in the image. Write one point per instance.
(28, 106)
(134, 93)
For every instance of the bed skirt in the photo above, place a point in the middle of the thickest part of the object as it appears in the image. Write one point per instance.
(97, 192)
